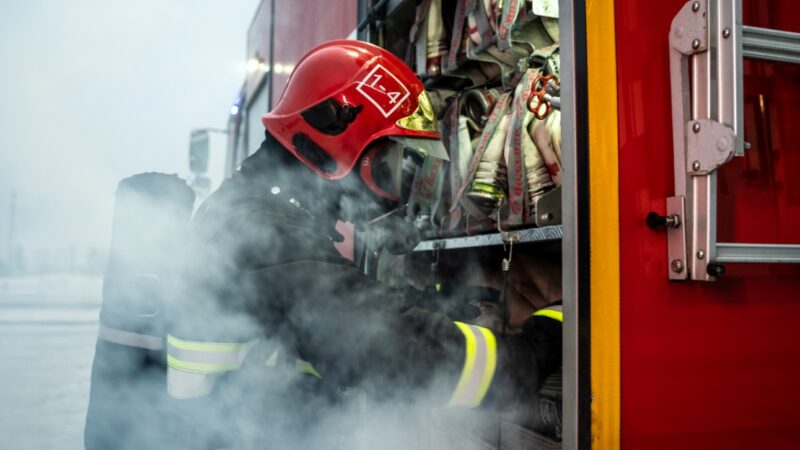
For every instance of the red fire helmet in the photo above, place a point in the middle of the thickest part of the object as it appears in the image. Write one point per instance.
(344, 95)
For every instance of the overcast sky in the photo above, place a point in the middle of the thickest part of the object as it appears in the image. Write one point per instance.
(92, 91)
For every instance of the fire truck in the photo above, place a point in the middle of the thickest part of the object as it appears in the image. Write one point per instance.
(676, 213)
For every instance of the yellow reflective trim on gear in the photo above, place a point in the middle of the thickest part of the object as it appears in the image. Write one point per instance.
(491, 364)
(557, 315)
(480, 363)
(469, 363)
(272, 361)
(196, 367)
(204, 346)
(306, 367)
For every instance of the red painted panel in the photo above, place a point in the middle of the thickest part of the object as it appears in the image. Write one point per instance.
(300, 25)
(707, 365)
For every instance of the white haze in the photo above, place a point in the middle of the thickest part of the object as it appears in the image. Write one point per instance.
(354, 329)
(92, 91)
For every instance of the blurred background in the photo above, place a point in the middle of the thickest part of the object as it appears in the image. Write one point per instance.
(90, 92)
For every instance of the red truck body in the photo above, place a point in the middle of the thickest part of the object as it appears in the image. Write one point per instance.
(708, 364)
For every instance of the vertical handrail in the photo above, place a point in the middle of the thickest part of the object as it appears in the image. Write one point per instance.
(688, 39)
(708, 44)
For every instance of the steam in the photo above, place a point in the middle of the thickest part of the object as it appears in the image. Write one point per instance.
(92, 92)
(96, 91)
(239, 276)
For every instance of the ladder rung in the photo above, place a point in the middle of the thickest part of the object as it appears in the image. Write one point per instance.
(757, 253)
(771, 45)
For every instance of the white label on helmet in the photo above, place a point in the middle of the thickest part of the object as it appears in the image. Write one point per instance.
(383, 90)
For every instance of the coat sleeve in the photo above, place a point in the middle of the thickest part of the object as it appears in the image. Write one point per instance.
(354, 330)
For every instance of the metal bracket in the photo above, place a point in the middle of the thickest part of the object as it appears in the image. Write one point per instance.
(689, 31)
(709, 145)
(510, 237)
(676, 240)
(548, 208)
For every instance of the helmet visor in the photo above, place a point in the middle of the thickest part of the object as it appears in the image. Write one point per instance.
(391, 169)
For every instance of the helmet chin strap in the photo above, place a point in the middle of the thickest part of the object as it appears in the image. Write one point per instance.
(386, 215)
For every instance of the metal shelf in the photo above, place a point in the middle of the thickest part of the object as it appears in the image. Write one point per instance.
(541, 234)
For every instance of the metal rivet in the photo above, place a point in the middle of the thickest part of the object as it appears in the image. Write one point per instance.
(726, 33)
(696, 127)
(680, 32)
(696, 6)
(275, 190)
(696, 44)
(722, 144)
(701, 254)
(677, 265)
(546, 217)
(696, 165)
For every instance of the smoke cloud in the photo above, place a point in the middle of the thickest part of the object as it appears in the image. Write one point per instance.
(258, 266)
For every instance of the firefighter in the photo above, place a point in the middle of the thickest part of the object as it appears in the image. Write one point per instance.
(267, 292)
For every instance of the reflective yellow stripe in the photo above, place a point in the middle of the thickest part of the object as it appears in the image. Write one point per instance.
(198, 367)
(557, 315)
(306, 367)
(480, 363)
(205, 357)
(203, 346)
(272, 361)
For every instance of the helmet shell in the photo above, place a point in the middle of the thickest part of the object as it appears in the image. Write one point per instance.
(357, 75)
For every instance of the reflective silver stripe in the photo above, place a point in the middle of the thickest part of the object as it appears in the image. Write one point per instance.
(474, 381)
(479, 365)
(129, 338)
(185, 385)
